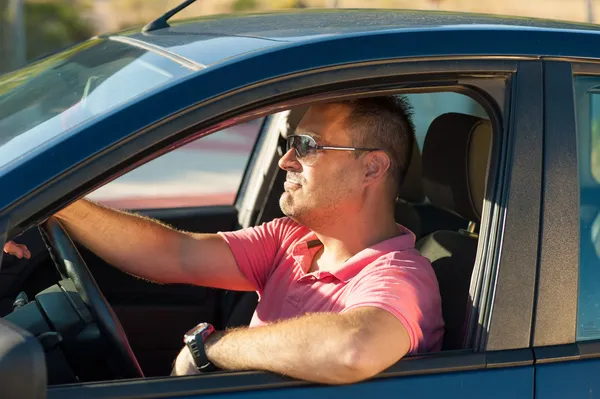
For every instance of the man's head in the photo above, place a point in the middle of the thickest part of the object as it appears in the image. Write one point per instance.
(325, 181)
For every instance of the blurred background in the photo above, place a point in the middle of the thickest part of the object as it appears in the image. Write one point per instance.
(30, 29)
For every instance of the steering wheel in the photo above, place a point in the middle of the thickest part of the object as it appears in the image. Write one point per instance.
(71, 266)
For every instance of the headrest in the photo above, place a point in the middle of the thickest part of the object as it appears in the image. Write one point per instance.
(455, 160)
(411, 189)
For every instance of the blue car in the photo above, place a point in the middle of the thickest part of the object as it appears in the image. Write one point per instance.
(185, 122)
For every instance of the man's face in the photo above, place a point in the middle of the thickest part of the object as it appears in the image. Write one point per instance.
(332, 181)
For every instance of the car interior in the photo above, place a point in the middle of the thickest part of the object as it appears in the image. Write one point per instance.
(440, 200)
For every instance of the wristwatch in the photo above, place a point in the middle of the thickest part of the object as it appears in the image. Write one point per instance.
(194, 339)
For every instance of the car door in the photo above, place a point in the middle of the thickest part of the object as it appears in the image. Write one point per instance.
(567, 320)
(499, 361)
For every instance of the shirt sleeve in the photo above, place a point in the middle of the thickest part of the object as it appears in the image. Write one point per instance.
(256, 249)
(407, 291)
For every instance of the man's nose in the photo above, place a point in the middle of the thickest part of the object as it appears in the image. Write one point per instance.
(289, 161)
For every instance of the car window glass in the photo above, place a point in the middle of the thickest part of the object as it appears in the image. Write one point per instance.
(205, 172)
(587, 97)
(428, 106)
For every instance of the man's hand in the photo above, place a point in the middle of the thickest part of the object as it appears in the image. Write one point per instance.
(184, 364)
(19, 250)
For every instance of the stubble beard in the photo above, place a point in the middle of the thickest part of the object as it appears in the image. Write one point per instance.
(287, 206)
(295, 209)
(316, 210)
(303, 213)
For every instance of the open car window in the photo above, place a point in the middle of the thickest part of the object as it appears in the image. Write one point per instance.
(428, 106)
(205, 172)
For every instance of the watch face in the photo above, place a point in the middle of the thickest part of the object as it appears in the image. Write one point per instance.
(204, 329)
(196, 329)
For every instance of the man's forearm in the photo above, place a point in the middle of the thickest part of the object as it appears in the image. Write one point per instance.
(321, 347)
(130, 242)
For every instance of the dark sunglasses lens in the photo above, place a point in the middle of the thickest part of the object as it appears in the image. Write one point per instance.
(289, 144)
(302, 145)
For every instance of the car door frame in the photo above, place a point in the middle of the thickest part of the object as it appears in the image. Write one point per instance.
(563, 365)
(510, 348)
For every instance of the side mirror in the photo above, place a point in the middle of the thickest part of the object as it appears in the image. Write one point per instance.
(22, 364)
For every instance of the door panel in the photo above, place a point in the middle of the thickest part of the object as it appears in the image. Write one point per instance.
(576, 379)
(568, 371)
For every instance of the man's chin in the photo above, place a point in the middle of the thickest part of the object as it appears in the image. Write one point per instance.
(287, 206)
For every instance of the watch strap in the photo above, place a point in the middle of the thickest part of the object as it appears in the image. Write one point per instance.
(196, 347)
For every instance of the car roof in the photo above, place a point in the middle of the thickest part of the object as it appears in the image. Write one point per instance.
(210, 39)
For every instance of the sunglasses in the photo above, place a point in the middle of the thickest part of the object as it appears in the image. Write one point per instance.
(305, 148)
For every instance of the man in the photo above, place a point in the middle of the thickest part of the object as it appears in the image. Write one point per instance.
(344, 294)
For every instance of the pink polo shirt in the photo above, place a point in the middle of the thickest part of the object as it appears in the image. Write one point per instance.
(390, 275)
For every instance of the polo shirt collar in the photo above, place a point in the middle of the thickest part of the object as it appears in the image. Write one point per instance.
(304, 251)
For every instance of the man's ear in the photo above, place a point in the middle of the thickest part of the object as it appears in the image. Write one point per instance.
(376, 164)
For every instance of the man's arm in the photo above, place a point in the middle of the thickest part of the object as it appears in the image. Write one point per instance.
(151, 250)
(321, 347)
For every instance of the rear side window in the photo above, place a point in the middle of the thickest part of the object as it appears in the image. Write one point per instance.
(428, 106)
(587, 100)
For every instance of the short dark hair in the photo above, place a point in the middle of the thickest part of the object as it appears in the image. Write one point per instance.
(384, 122)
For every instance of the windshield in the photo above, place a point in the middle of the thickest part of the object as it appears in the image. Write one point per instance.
(44, 100)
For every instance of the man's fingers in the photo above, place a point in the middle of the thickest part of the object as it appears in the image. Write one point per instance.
(26, 251)
(13, 249)
(18, 250)
(184, 363)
